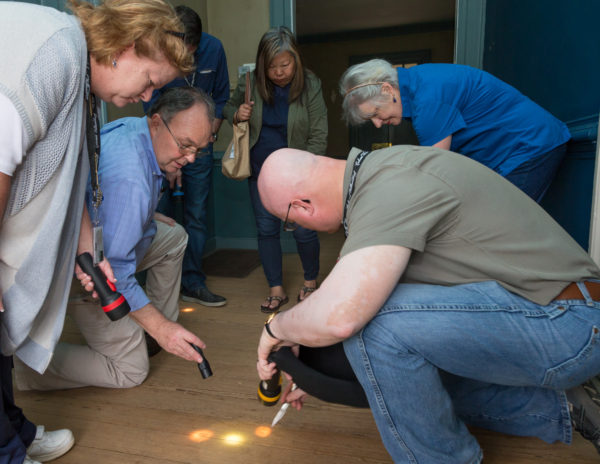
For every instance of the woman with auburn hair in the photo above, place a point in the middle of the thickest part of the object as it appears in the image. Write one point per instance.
(55, 67)
(144, 37)
(286, 110)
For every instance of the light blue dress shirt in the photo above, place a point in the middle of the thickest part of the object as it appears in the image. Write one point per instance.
(131, 181)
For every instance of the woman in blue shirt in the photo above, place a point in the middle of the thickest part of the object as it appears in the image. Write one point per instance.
(464, 110)
(286, 110)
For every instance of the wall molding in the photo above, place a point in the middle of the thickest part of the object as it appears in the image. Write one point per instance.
(288, 245)
(377, 32)
(594, 241)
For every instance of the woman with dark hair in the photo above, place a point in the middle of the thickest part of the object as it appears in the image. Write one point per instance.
(286, 110)
(55, 65)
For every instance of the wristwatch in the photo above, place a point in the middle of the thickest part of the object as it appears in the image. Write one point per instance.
(268, 321)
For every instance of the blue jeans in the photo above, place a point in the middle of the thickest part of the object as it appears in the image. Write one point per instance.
(196, 180)
(436, 358)
(535, 176)
(269, 247)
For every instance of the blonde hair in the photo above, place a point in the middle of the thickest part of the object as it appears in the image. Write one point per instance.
(151, 25)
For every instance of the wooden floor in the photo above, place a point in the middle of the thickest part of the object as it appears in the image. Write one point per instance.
(178, 417)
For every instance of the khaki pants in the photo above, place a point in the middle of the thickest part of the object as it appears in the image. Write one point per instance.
(115, 355)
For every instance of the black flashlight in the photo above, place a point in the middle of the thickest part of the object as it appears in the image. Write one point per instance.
(204, 366)
(114, 304)
(269, 391)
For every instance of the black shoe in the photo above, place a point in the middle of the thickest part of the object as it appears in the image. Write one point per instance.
(152, 345)
(584, 406)
(203, 296)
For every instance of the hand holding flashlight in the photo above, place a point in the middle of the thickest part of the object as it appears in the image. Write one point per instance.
(113, 303)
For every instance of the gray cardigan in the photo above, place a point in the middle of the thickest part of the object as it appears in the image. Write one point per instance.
(39, 234)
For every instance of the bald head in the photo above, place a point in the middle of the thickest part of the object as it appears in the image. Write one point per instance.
(311, 184)
(284, 175)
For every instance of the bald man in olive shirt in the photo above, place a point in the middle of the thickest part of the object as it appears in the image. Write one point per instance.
(459, 300)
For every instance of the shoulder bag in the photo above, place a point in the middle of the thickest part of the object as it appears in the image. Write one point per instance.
(236, 159)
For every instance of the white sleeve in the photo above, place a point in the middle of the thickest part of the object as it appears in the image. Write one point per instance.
(12, 137)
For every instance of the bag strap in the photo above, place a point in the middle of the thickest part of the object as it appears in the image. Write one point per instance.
(247, 93)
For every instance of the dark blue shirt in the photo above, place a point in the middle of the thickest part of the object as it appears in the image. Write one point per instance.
(489, 121)
(211, 75)
(273, 134)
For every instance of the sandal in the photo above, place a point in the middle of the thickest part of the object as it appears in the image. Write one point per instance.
(271, 309)
(307, 291)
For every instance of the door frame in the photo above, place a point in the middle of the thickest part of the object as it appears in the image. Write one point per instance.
(594, 239)
(470, 32)
(283, 13)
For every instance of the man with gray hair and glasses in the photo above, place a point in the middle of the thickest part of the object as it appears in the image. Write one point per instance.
(136, 153)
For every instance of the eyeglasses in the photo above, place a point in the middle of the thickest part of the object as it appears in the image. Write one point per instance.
(290, 226)
(184, 149)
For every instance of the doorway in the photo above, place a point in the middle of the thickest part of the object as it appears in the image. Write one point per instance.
(336, 34)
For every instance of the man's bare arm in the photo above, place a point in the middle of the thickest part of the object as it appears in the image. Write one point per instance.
(444, 143)
(347, 300)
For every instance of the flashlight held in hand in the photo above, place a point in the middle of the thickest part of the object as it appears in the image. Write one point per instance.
(114, 304)
(269, 391)
(204, 366)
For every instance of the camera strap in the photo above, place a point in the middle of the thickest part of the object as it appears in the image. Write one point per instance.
(92, 132)
(92, 129)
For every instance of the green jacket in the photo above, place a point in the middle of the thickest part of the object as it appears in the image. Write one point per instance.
(307, 116)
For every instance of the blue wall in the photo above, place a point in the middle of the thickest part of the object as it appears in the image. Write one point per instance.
(231, 219)
(550, 50)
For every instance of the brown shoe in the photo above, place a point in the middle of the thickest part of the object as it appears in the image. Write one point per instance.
(267, 309)
(307, 291)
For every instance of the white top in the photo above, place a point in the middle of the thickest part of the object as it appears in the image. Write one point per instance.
(12, 137)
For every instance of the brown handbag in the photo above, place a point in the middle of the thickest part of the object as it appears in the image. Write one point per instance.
(235, 163)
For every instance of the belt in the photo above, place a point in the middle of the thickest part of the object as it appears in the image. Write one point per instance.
(572, 292)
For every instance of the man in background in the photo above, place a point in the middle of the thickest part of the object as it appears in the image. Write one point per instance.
(212, 77)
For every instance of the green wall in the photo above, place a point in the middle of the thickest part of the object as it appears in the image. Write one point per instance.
(231, 217)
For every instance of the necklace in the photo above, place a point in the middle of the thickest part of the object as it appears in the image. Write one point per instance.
(193, 80)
